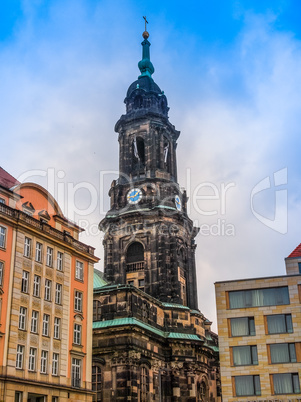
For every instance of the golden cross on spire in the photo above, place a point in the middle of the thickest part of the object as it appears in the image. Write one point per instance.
(146, 22)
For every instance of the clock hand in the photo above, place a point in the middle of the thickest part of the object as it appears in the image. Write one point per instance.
(134, 195)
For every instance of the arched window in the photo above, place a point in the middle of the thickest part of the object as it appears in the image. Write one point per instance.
(167, 153)
(135, 257)
(96, 383)
(138, 102)
(138, 152)
(202, 392)
(144, 383)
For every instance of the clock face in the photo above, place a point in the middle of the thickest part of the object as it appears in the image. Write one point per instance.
(134, 196)
(178, 203)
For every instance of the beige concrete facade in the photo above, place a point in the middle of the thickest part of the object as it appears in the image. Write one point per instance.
(259, 338)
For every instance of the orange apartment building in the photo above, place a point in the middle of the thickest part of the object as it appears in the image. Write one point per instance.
(46, 298)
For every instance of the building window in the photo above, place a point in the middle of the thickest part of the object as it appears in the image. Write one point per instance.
(287, 383)
(25, 282)
(60, 257)
(27, 247)
(44, 361)
(32, 359)
(78, 301)
(96, 310)
(36, 286)
(279, 323)
(77, 334)
(2, 236)
(79, 270)
(299, 267)
(135, 257)
(1, 272)
(141, 284)
(55, 364)
(19, 357)
(22, 318)
(58, 293)
(2, 201)
(57, 328)
(39, 248)
(34, 321)
(242, 326)
(96, 382)
(247, 385)
(47, 290)
(49, 257)
(76, 372)
(18, 396)
(46, 320)
(144, 384)
(244, 355)
(283, 353)
(259, 297)
(55, 399)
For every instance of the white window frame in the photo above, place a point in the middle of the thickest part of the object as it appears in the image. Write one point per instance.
(77, 334)
(60, 261)
(79, 270)
(76, 372)
(34, 322)
(36, 285)
(27, 247)
(46, 321)
(48, 286)
(32, 359)
(2, 237)
(20, 356)
(58, 293)
(39, 250)
(25, 282)
(57, 328)
(49, 257)
(55, 363)
(78, 301)
(44, 361)
(1, 272)
(22, 318)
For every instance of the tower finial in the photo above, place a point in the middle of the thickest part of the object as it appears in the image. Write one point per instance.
(145, 33)
(145, 65)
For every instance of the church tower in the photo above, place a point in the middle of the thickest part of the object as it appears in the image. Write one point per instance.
(149, 238)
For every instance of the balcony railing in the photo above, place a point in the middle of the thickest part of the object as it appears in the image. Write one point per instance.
(135, 266)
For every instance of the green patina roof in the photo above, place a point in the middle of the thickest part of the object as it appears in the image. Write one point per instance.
(174, 305)
(133, 321)
(98, 280)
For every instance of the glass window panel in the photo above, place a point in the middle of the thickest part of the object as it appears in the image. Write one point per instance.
(279, 353)
(247, 385)
(283, 383)
(259, 297)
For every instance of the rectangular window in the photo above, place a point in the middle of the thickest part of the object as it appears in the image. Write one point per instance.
(76, 372)
(2, 237)
(259, 297)
(1, 272)
(287, 383)
(57, 328)
(34, 321)
(47, 290)
(279, 323)
(2, 201)
(55, 364)
(18, 396)
(27, 247)
(20, 356)
(77, 334)
(60, 257)
(39, 247)
(79, 270)
(78, 298)
(36, 285)
(49, 257)
(283, 353)
(46, 320)
(25, 282)
(242, 326)
(32, 359)
(44, 361)
(244, 355)
(22, 318)
(299, 267)
(247, 385)
(58, 293)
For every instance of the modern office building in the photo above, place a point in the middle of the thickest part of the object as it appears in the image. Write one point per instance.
(259, 327)
(46, 282)
(150, 342)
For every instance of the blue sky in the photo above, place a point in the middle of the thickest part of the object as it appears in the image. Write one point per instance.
(231, 71)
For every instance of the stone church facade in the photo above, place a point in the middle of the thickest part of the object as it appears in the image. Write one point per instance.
(150, 340)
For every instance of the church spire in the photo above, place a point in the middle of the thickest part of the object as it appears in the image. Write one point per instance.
(145, 65)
